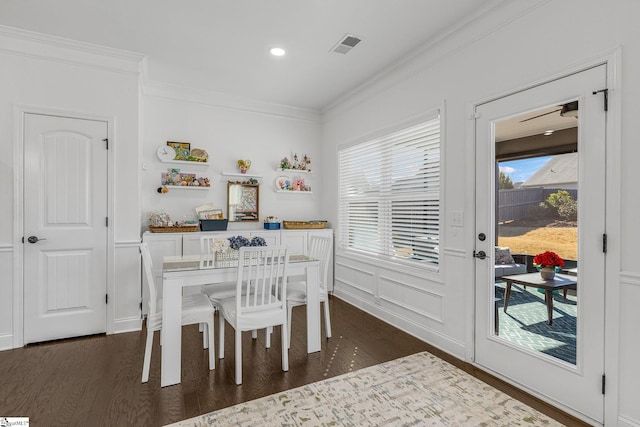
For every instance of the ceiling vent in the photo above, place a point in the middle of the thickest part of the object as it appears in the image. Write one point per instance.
(347, 43)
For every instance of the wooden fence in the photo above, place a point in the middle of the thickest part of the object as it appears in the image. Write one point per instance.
(519, 202)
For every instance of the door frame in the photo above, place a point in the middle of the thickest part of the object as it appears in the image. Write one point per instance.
(613, 62)
(18, 214)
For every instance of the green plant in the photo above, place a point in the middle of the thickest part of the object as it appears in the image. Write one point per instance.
(504, 181)
(565, 207)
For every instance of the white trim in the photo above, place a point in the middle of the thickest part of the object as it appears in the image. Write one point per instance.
(455, 252)
(613, 213)
(129, 324)
(66, 51)
(6, 342)
(18, 276)
(212, 98)
(627, 422)
(629, 278)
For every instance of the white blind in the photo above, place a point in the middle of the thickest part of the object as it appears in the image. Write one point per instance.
(389, 194)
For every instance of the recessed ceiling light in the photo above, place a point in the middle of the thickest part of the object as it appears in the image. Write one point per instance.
(548, 132)
(277, 51)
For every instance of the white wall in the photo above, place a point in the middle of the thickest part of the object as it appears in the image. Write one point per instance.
(263, 135)
(50, 73)
(505, 50)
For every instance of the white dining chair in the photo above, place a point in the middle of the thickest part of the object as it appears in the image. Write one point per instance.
(259, 301)
(217, 291)
(196, 309)
(320, 248)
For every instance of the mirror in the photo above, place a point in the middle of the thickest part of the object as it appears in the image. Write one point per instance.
(243, 202)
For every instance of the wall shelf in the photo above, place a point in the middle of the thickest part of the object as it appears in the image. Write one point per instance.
(300, 171)
(294, 191)
(187, 187)
(245, 175)
(185, 162)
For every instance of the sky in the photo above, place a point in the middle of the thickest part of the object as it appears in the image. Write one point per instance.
(521, 170)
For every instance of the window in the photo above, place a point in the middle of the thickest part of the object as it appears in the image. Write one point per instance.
(389, 194)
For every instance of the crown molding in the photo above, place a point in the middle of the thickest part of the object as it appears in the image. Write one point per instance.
(222, 100)
(62, 50)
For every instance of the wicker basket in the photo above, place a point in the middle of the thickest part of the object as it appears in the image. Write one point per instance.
(304, 224)
(229, 255)
(173, 229)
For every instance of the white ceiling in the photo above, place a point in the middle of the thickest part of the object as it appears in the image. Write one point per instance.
(222, 45)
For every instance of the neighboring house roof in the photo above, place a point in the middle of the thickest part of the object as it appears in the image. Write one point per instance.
(560, 169)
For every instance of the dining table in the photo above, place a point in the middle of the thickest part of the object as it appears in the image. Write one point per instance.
(181, 272)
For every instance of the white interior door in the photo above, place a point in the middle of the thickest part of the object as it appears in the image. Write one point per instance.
(573, 381)
(65, 230)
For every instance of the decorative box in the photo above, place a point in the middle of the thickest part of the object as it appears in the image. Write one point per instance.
(213, 224)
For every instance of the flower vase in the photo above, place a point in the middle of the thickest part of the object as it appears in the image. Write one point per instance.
(547, 273)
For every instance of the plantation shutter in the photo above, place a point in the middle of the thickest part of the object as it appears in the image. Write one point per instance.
(389, 194)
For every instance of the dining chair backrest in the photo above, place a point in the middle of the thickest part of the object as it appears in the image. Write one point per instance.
(207, 253)
(148, 271)
(262, 279)
(320, 248)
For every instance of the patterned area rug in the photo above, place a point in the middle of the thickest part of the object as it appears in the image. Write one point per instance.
(417, 390)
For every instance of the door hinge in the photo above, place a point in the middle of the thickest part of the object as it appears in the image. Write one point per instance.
(604, 243)
(22, 239)
(106, 141)
(605, 92)
(106, 221)
(603, 382)
(106, 298)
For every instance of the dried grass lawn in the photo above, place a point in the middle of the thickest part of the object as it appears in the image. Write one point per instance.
(534, 238)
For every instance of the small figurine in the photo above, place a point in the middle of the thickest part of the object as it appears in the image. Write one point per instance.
(244, 165)
(307, 163)
(295, 161)
(285, 164)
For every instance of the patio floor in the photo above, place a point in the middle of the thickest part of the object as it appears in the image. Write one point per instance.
(525, 322)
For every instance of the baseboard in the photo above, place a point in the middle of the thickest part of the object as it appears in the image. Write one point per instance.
(130, 324)
(626, 422)
(6, 342)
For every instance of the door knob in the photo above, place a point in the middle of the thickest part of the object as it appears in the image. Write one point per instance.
(33, 239)
(480, 254)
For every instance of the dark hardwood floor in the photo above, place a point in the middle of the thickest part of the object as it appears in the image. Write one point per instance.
(95, 381)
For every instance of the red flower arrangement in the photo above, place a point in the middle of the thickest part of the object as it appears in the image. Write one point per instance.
(548, 259)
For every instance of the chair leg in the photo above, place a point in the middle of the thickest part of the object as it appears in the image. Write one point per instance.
(285, 347)
(290, 307)
(147, 357)
(327, 318)
(254, 334)
(238, 356)
(267, 334)
(220, 336)
(212, 345)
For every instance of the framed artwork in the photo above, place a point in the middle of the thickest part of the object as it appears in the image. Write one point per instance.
(243, 203)
(182, 149)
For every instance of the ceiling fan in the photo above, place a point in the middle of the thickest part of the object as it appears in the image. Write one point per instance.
(570, 109)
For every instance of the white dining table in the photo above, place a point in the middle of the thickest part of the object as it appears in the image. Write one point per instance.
(179, 272)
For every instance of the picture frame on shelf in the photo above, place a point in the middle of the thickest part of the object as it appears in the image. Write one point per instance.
(182, 149)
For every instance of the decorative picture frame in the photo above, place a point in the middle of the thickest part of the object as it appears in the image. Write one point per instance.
(182, 149)
(243, 202)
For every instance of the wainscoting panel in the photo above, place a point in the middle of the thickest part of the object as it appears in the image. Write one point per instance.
(127, 295)
(629, 388)
(356, 275)
(6, 297)
(411, 299)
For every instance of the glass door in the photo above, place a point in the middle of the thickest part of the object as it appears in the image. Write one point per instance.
(540, 219)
